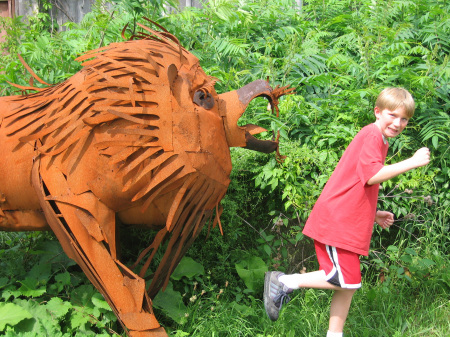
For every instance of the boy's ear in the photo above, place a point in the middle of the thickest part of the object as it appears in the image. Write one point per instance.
(377, 112)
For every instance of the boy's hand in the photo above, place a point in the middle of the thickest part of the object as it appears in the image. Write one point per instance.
(384, 219)
(421, 157)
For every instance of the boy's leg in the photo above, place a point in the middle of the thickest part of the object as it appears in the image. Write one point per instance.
(314, 279)
(340, 271)
(340, 305)
(278, 285)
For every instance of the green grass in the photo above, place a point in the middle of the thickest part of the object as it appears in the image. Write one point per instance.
(419, 307)
(403, 311)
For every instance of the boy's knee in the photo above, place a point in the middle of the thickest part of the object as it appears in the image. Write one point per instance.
(348, 291)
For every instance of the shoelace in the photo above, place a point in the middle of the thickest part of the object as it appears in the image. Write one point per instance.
(281, 298)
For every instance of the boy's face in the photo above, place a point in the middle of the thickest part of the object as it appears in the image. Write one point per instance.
(391, 123)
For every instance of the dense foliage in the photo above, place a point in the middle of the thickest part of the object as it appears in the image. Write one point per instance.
(339, 55)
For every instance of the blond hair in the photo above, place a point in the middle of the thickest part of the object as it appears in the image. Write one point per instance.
(392, 98)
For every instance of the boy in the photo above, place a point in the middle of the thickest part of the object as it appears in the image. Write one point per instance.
(342, 220)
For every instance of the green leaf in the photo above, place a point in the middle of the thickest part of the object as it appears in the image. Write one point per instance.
(406, 258)
(427, 263)
(79, 318)
(57, 307)
(40, 272)
(82, 295)
(251, 271)
(187, 268)
(267, 249)
(323, 156)
(243, 310)
(410, 251)
(29, 288)
(392, 248)
(12, 314)
(62, 280)
(284, 252)
(171, 302)
(99, 301)
(42, 322)
(3, 281)
(435, 141)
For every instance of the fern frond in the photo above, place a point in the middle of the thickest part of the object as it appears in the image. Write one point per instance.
(435, 127)
(230, 46)
(310, 65)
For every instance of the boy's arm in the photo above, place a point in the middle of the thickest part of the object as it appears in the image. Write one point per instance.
(420, 158)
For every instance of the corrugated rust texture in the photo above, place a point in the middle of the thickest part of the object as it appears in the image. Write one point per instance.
(139, 133)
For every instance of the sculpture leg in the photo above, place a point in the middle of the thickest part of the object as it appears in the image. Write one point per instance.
(86, 229)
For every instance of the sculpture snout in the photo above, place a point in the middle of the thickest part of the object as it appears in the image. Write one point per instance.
(232, 105)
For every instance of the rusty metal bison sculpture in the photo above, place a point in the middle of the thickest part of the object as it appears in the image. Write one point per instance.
(139, 134)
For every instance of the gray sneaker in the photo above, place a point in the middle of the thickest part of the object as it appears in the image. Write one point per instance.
(275, 294)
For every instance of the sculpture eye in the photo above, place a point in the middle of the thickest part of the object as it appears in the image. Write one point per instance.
(204, 99)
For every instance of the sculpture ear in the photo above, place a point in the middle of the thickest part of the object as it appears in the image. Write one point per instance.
(172, 74)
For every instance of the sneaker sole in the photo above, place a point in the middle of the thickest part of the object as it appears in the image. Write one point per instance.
(267, 295)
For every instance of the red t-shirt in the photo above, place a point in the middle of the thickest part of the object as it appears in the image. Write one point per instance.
(344, 214)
